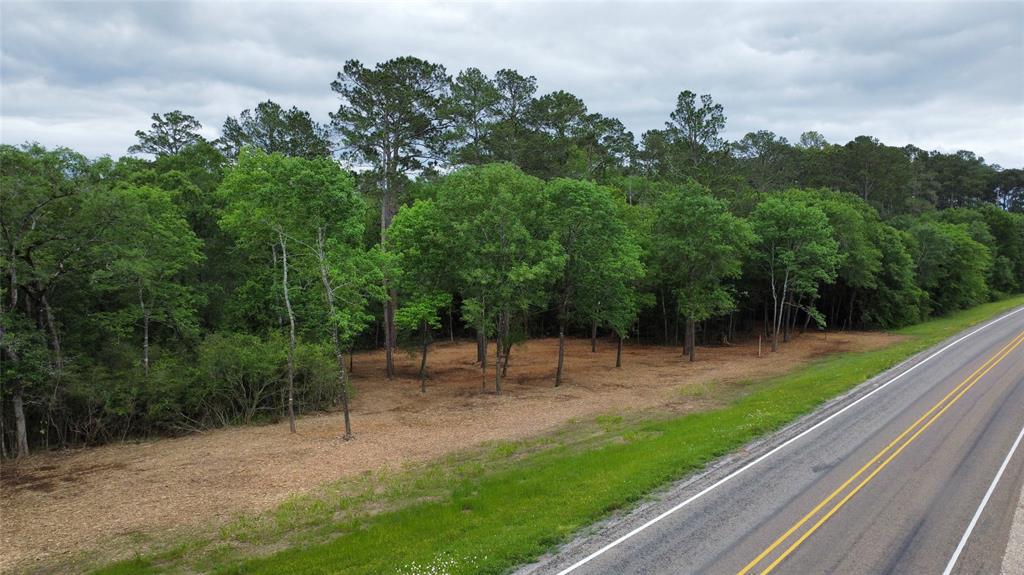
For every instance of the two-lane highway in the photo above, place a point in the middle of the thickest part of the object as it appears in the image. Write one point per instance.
(919, 472)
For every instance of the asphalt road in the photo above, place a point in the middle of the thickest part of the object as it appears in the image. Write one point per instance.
(888, 479)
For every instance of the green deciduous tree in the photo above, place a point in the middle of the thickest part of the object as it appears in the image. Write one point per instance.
(145, 257)
(601, 259)
(422, 253)
(795, 251)
(394, 117)
(309, 210)
(503, 252)
(697, 247)
(951, 266)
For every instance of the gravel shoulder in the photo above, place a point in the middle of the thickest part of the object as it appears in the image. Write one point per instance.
(1013, 561)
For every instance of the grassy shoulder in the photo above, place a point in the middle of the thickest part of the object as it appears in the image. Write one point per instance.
(487, 511)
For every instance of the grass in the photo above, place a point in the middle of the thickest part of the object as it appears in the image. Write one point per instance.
(508, 504)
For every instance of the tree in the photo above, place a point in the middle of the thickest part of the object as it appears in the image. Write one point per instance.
(53, 213)
(511, 127)
(310, 207)
(896, 300)
(852, 221)
(422, 257)
(501, 247)
(951, 266)
(767, 159)
(272, 129)
(795, 251)
(259, 213)
(168, 135)
(697, 247)
(879, 174)
(146, 255)
(601, 258)
(392, 117)
(695, 133)
(1009, 189)
(556, 119)
(473, 99)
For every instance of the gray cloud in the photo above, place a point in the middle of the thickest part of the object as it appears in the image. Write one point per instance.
(941, 76)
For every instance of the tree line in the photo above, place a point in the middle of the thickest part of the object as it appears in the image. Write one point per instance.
(196, 283)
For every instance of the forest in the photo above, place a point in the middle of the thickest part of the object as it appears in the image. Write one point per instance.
(197, 282)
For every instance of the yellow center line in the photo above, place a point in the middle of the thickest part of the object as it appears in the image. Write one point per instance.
(959, 390)
(867, 479)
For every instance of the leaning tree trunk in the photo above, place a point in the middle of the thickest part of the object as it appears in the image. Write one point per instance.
(618, 352)
(506, 354)
(51, 326)
(339, 354)
(291, 333)
(786, 316)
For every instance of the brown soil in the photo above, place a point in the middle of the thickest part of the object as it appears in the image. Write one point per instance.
(56, 504)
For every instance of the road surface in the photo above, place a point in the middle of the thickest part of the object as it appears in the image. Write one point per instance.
(918, 471)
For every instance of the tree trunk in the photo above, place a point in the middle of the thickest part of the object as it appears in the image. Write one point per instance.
(849, 314)
(618, 352)
(13, 271)
(291, 333)
(339, 355)
(506, 354)
(481, 353)
(664, 318)
(390, 333)
(497, 361)
(593, 336)
(51, 325)
(788, 310)
(145, 333)
(19, 423)
(423, 361)
(691, 339)
(561, 355)
(387, 213)
(342, 379)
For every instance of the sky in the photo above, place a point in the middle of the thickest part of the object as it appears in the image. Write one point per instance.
(940, 76)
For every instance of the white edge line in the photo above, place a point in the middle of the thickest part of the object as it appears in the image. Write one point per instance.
(981, 508)
(715, 485)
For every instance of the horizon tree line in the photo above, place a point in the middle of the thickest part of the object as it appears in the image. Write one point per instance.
(230, 281)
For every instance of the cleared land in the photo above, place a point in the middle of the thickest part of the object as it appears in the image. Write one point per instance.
(56, 505)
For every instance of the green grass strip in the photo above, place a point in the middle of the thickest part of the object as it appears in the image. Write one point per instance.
(495, 521)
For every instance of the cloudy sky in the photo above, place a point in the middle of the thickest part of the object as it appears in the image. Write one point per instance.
(941, 76)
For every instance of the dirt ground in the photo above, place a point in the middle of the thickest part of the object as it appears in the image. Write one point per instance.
(56, 504)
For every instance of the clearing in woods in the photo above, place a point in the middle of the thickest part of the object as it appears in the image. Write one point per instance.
(55, 505)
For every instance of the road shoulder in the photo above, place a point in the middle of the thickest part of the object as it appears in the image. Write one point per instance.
(1013, 560)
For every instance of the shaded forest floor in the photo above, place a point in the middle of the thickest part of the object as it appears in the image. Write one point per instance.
(109, 499)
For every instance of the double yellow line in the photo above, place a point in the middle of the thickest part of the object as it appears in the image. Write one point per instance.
(913, 431)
